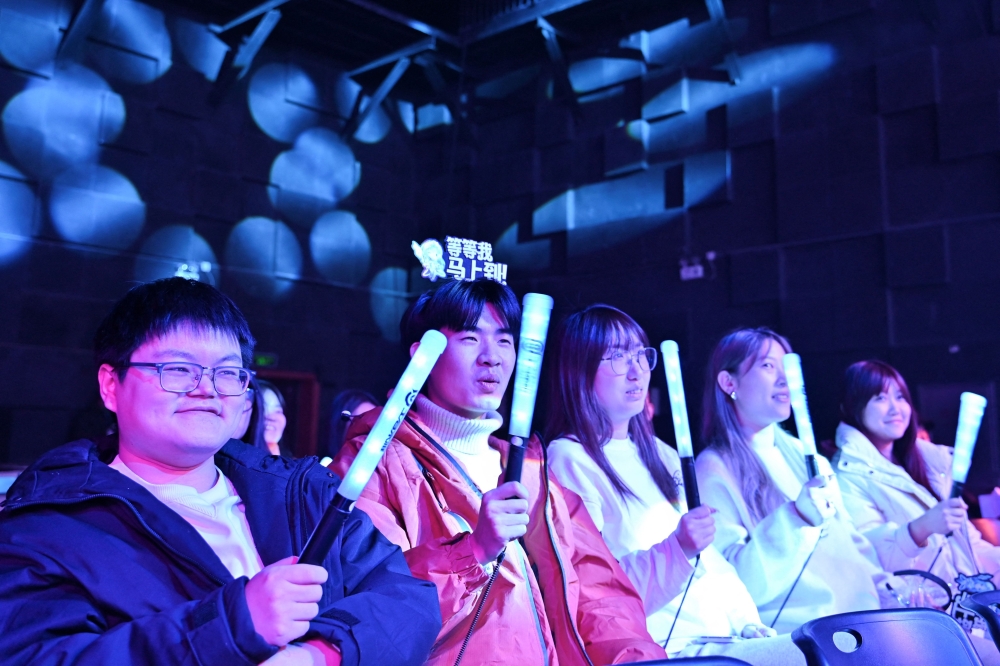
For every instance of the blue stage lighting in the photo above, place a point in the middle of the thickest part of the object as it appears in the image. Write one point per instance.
(313, 177)
(18, 213)
(94, 205)
(283, 101)
(130, 42)
(389, 300)
(530, 255)
(30, 33)
(340, 247)
(176, 250)
(596, 73)
(57, 123)
(264, 257)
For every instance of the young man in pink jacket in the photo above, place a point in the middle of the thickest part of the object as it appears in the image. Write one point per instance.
(559, 596)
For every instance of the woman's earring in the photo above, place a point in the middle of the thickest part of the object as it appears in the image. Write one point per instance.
(733, 396)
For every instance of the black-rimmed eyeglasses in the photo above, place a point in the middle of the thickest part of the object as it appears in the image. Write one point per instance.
(621, 361)
(185, 377)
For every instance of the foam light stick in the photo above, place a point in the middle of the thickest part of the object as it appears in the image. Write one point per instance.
(970, 416)
(682, 427)
(431, 346)
(535, 315)
(797, 391)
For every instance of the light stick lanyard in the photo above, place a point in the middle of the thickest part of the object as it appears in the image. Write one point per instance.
(797, 395)
(685, 449)
(431, 346)
(970, 417)
(803, 423)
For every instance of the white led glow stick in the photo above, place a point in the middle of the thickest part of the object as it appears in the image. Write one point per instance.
(682, 427)
(535, 315)
(431, 346)
(797, 395)
(970, 416)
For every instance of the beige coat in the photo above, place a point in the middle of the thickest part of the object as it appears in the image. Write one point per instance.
(842, 574)
(882, 499)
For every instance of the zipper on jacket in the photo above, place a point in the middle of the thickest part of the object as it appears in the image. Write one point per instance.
(135, 511)
(555, 549)
(521, 555)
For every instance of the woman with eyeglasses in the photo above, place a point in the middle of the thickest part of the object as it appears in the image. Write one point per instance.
(788, 536)
(603, 448)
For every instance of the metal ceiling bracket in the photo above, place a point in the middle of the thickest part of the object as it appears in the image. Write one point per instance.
(359, 116)
(247, 16)
(251, 45)
(409, 22)
(428, 44)
(717, 14)
(561, 73)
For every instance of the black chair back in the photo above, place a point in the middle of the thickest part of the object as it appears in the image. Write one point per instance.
(902, 636)
(980, 604)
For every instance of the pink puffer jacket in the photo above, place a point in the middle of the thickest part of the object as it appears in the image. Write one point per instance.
(566, 602)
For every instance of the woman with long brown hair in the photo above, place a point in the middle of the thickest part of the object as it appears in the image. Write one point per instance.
(897, 487)
(603, 448)
(788, 536)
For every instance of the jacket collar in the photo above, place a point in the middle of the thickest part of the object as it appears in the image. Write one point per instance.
(857, 454)
(459, 492)
(79, 471)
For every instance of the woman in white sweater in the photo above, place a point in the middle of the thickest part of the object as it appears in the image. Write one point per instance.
(604, 449)
(897, 488)
(789, 537)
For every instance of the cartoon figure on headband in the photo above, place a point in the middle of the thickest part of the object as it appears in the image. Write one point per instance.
(431, 257)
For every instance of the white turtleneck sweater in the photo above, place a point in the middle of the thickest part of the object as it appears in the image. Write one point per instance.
(217, 514)
(467, 440)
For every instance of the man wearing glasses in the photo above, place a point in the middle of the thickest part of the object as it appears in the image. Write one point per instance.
(167, 545)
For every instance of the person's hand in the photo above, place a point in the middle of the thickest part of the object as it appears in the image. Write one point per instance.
(757, 631)
(944, 517)
(815, 501)
(283, 598)
(503, 517)
(313, 652)
(696, 530)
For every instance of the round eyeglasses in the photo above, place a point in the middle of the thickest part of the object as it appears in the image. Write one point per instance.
(185, 377)
(622, 361)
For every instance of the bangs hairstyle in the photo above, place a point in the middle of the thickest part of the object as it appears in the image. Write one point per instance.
(736, 353)
(863, 381)
(457, 306)
(583, 340)
(155, 309)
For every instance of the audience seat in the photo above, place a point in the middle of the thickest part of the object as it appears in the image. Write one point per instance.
(886, 638)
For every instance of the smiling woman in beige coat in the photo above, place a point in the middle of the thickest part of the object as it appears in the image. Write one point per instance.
(896, 487)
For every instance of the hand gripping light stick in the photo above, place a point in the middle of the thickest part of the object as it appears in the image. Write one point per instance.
(797, 391)
(535, 316)
(682, 428)
(431, 346)
(970, 416)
